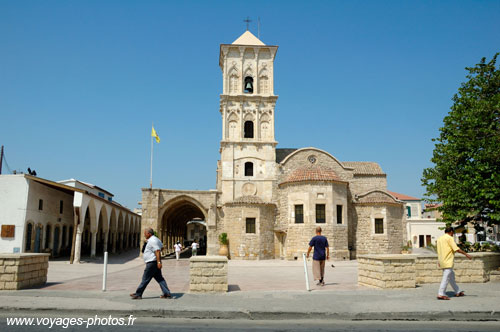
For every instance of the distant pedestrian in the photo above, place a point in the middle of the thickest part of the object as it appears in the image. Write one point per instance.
(152, 258)
(194, 247)
(177, 248)
(320, 244)
(446, 248)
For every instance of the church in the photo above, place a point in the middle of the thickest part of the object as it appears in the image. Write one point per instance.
(269, 200)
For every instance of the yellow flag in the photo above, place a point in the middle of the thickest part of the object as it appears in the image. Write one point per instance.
(155, 135)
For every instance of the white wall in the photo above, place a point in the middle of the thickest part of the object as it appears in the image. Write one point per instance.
(13, 197)
(424, 227)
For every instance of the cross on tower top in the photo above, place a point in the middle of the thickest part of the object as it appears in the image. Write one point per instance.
(247, 21)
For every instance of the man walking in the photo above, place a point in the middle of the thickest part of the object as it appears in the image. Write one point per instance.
(320, 244)
(177, 248)
(194, 248)
(446, 248)
(152, 258)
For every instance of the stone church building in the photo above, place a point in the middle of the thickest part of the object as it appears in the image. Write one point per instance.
(270, 200)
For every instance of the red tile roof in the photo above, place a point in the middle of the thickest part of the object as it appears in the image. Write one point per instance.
(314, 173)
(403, 197)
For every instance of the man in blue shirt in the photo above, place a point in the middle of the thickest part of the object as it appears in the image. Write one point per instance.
(320, 244)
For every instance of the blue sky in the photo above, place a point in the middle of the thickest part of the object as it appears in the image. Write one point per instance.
(82, 81)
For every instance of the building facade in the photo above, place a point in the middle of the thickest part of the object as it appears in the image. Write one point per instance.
(270, 200)
(67, 218)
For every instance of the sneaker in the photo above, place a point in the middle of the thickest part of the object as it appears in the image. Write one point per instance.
(136, 297)
(166, 296)
(322, 283)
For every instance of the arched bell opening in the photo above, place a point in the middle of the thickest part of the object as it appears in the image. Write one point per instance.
(248, 84)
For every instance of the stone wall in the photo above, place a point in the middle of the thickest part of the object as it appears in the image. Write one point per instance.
(390, 242)
(243, 245)
(18, 271)
(402, 271)
(309, 194)
(387, 271)
(208, 274)
(476, 270)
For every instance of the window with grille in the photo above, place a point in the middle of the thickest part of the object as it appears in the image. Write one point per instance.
(320, 214)
(379, 226)
(250, 225)
(299, 214)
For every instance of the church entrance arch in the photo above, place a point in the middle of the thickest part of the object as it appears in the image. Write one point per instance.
(183, 219)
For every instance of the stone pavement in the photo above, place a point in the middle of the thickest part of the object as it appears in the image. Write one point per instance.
(125, 272)
(258, 290)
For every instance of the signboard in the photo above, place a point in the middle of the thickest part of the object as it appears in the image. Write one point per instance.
(8, 230)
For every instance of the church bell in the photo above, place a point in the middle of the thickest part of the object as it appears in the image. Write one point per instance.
(248, 86)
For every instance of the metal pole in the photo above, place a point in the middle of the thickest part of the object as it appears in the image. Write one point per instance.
(1, 159)
(305, 272)
(151, 174)
(105, 272)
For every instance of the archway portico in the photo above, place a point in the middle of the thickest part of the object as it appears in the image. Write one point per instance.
(175, 216)
(102, 226)
(169, 211)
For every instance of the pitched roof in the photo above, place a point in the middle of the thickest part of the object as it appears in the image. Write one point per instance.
(403, 197)
(247, 38)
(314, 173)
(375, 197)
(364, 167)
(281, 154)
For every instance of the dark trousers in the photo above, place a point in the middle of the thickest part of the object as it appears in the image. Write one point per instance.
(152, 271)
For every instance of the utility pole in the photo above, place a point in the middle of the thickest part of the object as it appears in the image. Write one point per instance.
(1, 159)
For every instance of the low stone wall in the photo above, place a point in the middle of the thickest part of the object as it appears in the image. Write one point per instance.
(476, 270)
(405, 271)
(18, 271)
(387, 271)
(207, 274)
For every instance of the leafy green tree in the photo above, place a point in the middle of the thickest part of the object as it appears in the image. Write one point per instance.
(466, 173)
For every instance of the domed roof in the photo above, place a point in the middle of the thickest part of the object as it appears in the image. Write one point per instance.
(249, 200)
(314, 173)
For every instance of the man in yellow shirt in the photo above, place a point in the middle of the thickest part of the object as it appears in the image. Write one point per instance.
(446, 248)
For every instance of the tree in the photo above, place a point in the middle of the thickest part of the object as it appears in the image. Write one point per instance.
(466, 173)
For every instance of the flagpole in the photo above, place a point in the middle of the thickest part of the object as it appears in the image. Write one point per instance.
(151, 174)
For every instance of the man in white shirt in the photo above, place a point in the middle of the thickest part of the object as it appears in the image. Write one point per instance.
(178, 249)
(152, 258)
(194, 247)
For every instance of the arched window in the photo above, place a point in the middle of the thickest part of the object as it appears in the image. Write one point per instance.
(248, 168)
(248, 129)
(29, 232)
(248, 84)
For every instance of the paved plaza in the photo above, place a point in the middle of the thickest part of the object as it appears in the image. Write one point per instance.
(125, 272)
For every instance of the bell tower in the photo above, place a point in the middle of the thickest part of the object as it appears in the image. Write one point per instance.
(247, 104)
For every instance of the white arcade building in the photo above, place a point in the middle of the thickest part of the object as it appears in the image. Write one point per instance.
(65, 218)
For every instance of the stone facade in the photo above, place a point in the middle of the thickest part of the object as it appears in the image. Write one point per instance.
(269, 201)
(208, 274)
(405, 271)
(19, 271)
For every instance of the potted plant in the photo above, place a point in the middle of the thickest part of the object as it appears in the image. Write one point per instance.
(406, 249)
(223, 241)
